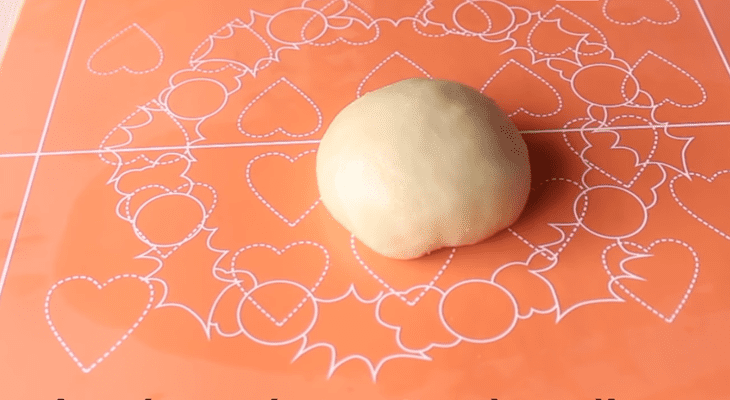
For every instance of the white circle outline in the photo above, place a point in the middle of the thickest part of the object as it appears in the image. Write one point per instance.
(316, 12)
(487, 32)
(472, 340)
(580, 219)
(142, 237)
(628, 73)
(172, 90)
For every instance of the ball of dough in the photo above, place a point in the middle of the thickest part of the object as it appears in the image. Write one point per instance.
(420, 165)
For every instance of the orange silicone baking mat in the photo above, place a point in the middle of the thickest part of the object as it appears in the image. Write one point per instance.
(162, 238)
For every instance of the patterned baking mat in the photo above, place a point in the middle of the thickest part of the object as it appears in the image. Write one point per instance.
(162, 235)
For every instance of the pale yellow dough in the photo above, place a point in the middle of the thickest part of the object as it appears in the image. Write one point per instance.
(420, 165)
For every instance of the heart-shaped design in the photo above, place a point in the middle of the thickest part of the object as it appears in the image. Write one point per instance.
(441, 14)
(574, 280)
(570, 22)
(418, 327)
(169, 219)
(606, 158)
(142, 129)
(605, 155)
(653, 70)
(297, 180)
(539, 223)
(223, 313)
(347, 23)
(392, 69)
(645, 186)
(714, 199)
(281, 98)
(532, 292)
(646, 140)
(166, 218)
(605, 85)
(565, 68)
(471, 18)
(658, 12)
(150, 127)
(130, 205)
(110, 305)
(168, 171)
(254, 265)
(485, 18)
(235, 45)
(524, 85)
(638, 133)
(399, 291)
(549, 38)
(655, 270)
(132, 50)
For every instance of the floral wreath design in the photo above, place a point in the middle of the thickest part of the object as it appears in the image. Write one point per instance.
(329, 24)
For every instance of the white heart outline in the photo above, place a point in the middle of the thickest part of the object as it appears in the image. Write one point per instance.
(359, 93)
(220, 34)
(124, 67)
(46, 309)
(280, 252)
(263, 200)
(685, 208)
(629, 275)
(564, 238)
(643, 17)
(393, 290)
(280, 128)
(521, 109)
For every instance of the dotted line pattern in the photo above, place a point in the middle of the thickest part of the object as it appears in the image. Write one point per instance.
(197, 228)
(549, 254)
(172, 247)
(380, 65)
(532, 31)
(211, 39)
(46, 307)
(387, 286)
(421, 13)
(280, 129)
(486, 16)
(643, 18)
(682, 302)
(582, 214)
(690, 212)
(124, 67)
(263, 200)
(541, 79)
(685, 73)
(629, 99)
(591, 165)
(340, 39)
(280, 252)
(654, 144)
(150, 112)
(237, 65)
(127, 199)
(604, 40)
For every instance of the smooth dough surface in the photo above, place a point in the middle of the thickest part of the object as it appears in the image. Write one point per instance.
(422, 164)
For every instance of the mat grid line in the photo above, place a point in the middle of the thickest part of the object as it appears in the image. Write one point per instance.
(714, 36)
(316, 141)
(39, 152)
